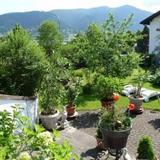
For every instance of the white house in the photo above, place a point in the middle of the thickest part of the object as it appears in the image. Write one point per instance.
(153, 22)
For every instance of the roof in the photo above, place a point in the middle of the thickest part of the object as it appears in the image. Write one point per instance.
(150, 18)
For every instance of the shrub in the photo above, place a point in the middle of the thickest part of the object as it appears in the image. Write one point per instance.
(30, 144)
(106, 86)
(145, 149)
(155, 79)
(22, 64)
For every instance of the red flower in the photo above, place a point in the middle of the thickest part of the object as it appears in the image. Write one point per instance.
(115, 96)
(131, 107)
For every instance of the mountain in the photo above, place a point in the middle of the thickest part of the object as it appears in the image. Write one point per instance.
(79, 19)
(71, 20)
(29, 20)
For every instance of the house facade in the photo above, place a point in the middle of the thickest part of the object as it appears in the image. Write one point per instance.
(153, 23)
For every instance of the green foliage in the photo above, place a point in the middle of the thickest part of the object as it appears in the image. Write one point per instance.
(155, 78)
(49, 36)
(143, 43)
(108, 50)
(106, 86)
(51, 92)
(139, 80)
(22, 63)
(99, 133)
(30, 144)
(111, 49)
(145, 149)
(114, 120)
(75, 51)
(72, 90)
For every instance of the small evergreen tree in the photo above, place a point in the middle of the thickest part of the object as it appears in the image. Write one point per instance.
(145, 149)
(22, 63)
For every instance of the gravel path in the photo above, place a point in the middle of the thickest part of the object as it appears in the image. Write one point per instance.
(147, 123)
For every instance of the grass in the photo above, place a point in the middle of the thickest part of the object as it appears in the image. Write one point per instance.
(89, 102)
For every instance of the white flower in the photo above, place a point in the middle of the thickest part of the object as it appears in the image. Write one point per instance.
(46, 137)
(24, 156)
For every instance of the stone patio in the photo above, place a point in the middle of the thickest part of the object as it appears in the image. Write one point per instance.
(81, 135)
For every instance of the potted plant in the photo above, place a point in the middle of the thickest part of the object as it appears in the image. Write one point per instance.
(49, 98)
(106, 89)
(72, 90)
(136, 99)
(115, 128)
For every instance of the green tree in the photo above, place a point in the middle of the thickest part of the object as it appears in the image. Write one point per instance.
(143, 43)
(75, 51)
(22, 63)
(145, 149)
(49, 37)
(111, 48)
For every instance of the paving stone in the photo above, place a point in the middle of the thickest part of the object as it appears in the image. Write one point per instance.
(82, 136)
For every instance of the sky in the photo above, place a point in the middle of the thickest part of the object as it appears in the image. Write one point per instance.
(7, 6)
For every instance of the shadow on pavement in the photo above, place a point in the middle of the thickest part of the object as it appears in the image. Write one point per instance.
(155, 123)
(86, 120)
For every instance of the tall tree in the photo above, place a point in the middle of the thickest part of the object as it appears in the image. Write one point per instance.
(49, 37)
(108, 45)
(22, 63)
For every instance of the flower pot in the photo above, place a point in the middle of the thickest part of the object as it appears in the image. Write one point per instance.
(71, 109)
(50, 121)
(137, 102)
(107, 103)
(115, 139)
(100, 144)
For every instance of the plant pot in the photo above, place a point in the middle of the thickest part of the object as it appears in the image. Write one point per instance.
(137, 103)
(115, 139)
(71, 109)
(49, 121)
(100, 144)
(107, 103)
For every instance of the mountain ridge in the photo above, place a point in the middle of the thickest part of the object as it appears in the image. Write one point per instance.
(70, 20)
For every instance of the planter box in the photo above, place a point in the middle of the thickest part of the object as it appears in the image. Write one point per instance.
(29, 106)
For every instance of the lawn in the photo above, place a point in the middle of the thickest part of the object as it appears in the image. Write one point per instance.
(89, 102)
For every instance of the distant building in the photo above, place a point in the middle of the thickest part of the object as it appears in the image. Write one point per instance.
(153, 22)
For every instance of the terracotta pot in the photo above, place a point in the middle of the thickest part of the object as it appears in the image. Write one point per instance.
(100, 144)
(71, 109)
(50, 121)
(107, 103)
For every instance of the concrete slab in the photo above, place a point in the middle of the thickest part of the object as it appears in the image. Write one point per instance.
(83, 144)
